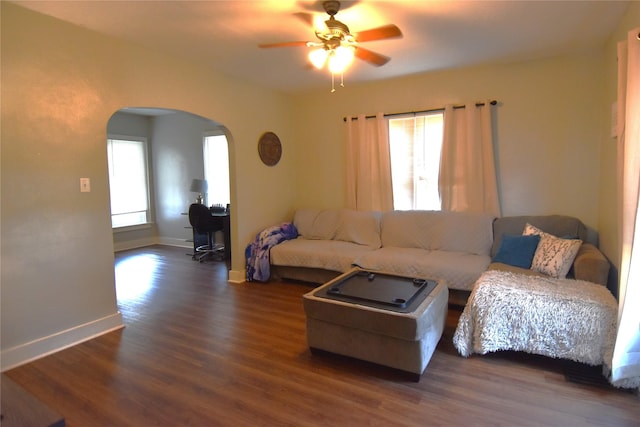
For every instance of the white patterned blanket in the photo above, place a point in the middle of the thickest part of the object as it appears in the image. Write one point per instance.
(560, 318)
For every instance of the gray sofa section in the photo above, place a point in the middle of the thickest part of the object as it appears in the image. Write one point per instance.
(428, 244)
(590, 264)
(328, 244)
(457, 247)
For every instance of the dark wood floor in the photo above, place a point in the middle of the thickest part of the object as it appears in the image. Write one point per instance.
(200, 351)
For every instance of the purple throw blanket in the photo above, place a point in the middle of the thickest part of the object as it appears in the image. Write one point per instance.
(257, 253)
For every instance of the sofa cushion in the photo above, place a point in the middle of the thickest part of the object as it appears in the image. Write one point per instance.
(437, 230)
(359, 227)
(513, 269)
(554, 256)
(559, 318)
(517, 250)
(317, 224)
(332, 255)
(459, 269)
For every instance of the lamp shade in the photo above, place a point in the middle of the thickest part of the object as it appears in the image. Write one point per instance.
(341, 58)
(318, 57)
(198, 185)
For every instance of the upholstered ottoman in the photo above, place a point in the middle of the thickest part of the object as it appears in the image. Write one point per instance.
(379, 334)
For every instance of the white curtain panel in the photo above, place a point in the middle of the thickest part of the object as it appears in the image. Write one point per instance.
(467, 179)
(368, 164)
(625, 369)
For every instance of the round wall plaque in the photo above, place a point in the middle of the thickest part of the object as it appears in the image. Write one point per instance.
(269, 148)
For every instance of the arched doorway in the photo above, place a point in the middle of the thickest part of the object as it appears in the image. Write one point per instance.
(175, 158)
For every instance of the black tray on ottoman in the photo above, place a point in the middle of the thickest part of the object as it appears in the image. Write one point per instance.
(385, 291)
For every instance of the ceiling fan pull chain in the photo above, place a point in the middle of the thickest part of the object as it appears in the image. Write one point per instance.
(333, 89)
(341, 79)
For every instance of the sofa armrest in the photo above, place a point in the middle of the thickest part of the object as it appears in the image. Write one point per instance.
(591, 265)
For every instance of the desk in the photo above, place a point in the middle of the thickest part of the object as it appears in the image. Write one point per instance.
(224, 221)
(223, 224)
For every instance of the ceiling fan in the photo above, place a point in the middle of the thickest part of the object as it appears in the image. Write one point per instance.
(336, 46)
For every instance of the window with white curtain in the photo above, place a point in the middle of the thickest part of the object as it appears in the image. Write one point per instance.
(216, 169)
(415, 144)
(128, 181)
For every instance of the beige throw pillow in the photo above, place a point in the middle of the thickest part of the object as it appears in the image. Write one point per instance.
(317, 224)
(361, 227)
(554, 256)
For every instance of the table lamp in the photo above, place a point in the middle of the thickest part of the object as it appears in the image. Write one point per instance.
(199, 186)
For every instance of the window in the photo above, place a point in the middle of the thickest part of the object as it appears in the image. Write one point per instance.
(216, 169)
(415, 144)
(128, 181)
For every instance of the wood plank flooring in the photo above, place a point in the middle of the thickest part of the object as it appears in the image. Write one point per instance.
(199, 351)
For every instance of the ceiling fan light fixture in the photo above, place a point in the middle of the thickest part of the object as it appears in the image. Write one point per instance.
(336, 46)
(318, 57)
(341, 58)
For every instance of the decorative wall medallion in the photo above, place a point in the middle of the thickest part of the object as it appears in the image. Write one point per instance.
(269, 148)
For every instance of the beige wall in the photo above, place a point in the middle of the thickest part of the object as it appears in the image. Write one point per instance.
(60, 86)
(608, 219)
(548, 128)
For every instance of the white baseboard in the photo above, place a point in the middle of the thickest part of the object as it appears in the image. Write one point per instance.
(28, 352)
(141, 243)
(171, 241)
(237, 276)
(133, 244)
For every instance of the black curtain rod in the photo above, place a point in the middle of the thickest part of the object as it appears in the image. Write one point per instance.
(433, 110)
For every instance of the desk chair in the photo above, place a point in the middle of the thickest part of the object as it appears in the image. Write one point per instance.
(203, 222)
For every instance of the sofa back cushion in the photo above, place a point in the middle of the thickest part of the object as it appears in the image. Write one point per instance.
(317, 224)
(359, 227)
(437, 230)
(562, 226)
(362, 228)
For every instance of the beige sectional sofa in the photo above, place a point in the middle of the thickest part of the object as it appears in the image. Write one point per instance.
(456, 247)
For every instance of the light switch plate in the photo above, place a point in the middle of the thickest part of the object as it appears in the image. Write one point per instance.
(85, 185)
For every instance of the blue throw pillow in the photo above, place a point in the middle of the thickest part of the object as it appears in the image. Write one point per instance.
(517, 250)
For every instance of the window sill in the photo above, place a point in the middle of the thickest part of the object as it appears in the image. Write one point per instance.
(132, 228)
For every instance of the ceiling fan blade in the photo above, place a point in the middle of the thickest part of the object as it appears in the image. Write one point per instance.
(283, 44)
(371, 57)
(307, 18)
(379, 33)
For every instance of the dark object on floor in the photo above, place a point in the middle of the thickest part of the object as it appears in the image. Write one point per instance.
(580, 373)
(19, 408)
(584, 374)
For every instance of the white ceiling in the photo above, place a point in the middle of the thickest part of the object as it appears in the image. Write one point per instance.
(437, 34)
